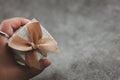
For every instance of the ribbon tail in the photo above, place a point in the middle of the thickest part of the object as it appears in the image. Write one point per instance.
(43, 53)
(31, 60)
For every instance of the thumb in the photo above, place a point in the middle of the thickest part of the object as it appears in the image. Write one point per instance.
(31, 72)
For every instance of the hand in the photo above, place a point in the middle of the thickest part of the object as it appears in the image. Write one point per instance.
(9, 68)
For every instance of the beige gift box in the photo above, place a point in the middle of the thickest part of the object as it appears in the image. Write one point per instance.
(31, 43)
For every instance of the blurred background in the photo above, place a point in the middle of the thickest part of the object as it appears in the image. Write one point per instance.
(87, 31)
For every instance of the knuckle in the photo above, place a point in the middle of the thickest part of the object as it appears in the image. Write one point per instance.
(4, 22)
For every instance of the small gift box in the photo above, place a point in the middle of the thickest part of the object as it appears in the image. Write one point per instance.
(31, 43)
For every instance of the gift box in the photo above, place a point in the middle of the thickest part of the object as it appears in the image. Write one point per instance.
(32, 42)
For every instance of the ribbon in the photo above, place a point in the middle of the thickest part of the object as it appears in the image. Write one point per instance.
(36, 44)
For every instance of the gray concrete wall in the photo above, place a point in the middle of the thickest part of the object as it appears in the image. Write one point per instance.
(87, 31)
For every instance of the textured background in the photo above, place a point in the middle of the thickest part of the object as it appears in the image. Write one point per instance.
(87, 31)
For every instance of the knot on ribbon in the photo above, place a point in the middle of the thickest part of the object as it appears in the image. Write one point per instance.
(34, 47)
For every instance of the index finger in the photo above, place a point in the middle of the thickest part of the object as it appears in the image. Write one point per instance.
(17, 22)
(9, 26)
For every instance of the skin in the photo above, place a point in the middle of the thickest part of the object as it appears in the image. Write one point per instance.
(9, 68)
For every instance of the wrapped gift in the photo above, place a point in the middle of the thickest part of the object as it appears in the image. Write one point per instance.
(31, 43)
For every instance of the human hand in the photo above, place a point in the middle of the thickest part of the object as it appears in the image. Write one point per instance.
(9, 68)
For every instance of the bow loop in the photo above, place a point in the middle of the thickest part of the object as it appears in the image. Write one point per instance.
(35, 32)
(47, 45)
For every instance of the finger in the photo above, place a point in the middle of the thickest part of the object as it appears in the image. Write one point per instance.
(18, 22)
(11, 25)
(31, 72)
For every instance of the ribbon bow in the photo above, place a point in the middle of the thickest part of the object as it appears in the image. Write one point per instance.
(36, 43)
